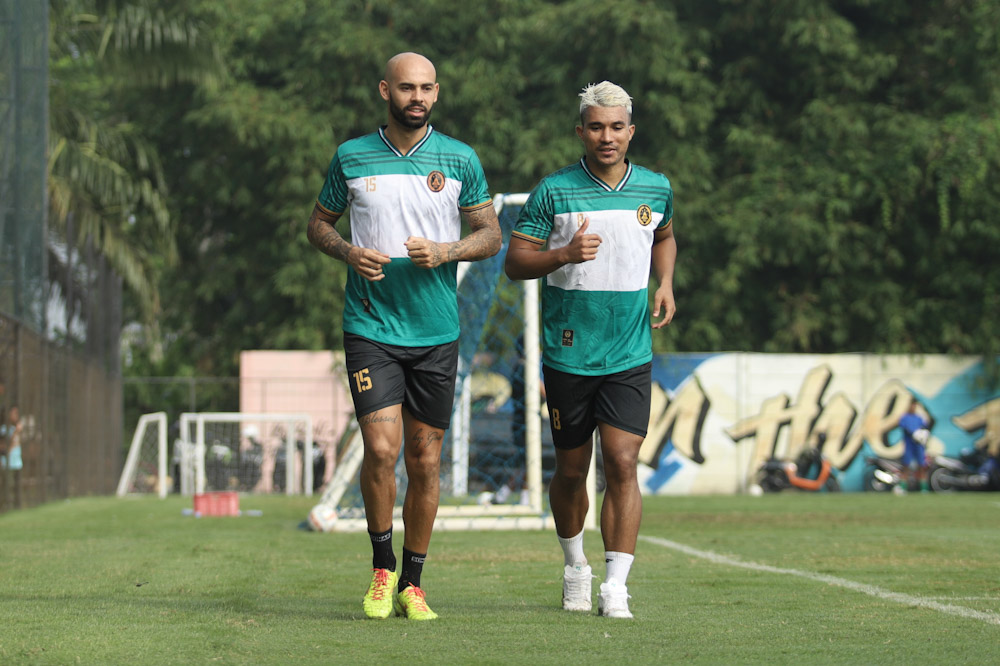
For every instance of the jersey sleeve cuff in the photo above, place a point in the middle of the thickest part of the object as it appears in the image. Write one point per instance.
(327, 210)
(479, 206)
(530, 239)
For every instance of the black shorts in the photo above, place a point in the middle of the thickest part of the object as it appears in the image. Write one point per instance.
(422, 379)
(577, 402)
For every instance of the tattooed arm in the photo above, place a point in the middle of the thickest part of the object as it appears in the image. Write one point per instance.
(484, 241)
(324, 237)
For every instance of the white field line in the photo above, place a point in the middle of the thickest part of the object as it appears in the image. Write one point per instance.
(871, 590)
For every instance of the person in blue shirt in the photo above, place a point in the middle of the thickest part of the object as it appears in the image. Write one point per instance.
(12, 459)
(915, 434)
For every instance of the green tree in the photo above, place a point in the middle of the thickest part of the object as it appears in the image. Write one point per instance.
(848, 136)
(106, 183)
(248, 161)
(835, 163)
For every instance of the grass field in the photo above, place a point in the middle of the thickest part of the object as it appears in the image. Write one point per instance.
(793, 579)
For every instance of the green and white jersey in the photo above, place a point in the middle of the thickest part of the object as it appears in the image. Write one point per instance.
(595, 315)
(393, 196)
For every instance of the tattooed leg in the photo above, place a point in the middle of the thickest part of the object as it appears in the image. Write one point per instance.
(382, 433)
(422, 455)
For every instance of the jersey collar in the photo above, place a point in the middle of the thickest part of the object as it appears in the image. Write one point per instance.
(617, 188)
(416, 147)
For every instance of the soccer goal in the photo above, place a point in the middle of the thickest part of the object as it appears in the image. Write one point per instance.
(494, 466)
(240, 451)
(146, 468)
(223, 451)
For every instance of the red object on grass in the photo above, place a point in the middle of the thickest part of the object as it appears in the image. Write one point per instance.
(217, 504)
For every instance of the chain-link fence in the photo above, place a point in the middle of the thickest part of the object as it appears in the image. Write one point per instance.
(62, 410)
(60, 306)
(23, 124)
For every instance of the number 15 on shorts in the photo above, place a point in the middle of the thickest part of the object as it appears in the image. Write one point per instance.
(362, 380)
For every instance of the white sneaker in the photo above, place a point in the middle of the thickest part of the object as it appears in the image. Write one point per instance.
(612, 601)
(576, 588)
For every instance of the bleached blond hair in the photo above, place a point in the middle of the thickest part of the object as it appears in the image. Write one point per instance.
(605, 94)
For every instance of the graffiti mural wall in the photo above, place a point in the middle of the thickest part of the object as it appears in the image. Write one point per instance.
(716, 418)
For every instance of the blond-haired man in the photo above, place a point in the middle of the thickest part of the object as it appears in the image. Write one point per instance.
(593, 230)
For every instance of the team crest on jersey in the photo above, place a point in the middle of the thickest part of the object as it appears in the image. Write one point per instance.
(567, 337)
(645, 214)
(435, 181)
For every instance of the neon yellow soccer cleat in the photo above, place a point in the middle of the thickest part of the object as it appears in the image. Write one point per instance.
(378, 600)
(411, 604)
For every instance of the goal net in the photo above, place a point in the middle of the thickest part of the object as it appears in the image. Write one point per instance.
(146, 469)
(223, 451)
(497, 456)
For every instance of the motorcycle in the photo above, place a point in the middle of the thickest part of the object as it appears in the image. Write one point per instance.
(882, 475)
(973, 469)
(776, 475)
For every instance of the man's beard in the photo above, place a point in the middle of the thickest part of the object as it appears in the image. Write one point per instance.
(399, 113)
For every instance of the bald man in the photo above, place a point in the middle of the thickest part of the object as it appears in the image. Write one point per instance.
(409, 189)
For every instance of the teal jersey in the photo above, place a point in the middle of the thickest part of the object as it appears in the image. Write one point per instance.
(393, 196)
(595, 315)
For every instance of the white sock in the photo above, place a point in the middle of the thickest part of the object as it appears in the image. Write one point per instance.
(618, 566)
(573, 551)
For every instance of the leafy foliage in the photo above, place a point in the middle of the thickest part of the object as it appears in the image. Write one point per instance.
(835, 163)
(106, 183)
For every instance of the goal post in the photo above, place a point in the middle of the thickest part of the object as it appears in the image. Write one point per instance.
(145, 467)
(532, 392)
(247, 452)
(262, 433)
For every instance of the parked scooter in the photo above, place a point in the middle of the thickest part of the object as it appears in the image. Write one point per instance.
(883, 475)
(810, 472)
(973, 469)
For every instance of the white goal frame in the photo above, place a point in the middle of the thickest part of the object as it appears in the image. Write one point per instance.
(159, 420)
(198, 450)
(190, 451)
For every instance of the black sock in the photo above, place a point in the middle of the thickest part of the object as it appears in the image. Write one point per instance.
(382, 555)
(413, 566)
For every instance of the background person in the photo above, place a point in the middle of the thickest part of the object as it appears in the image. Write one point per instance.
(914, 460)
(12, 460)
(409, 189)
(602, 222)
(5, 432)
